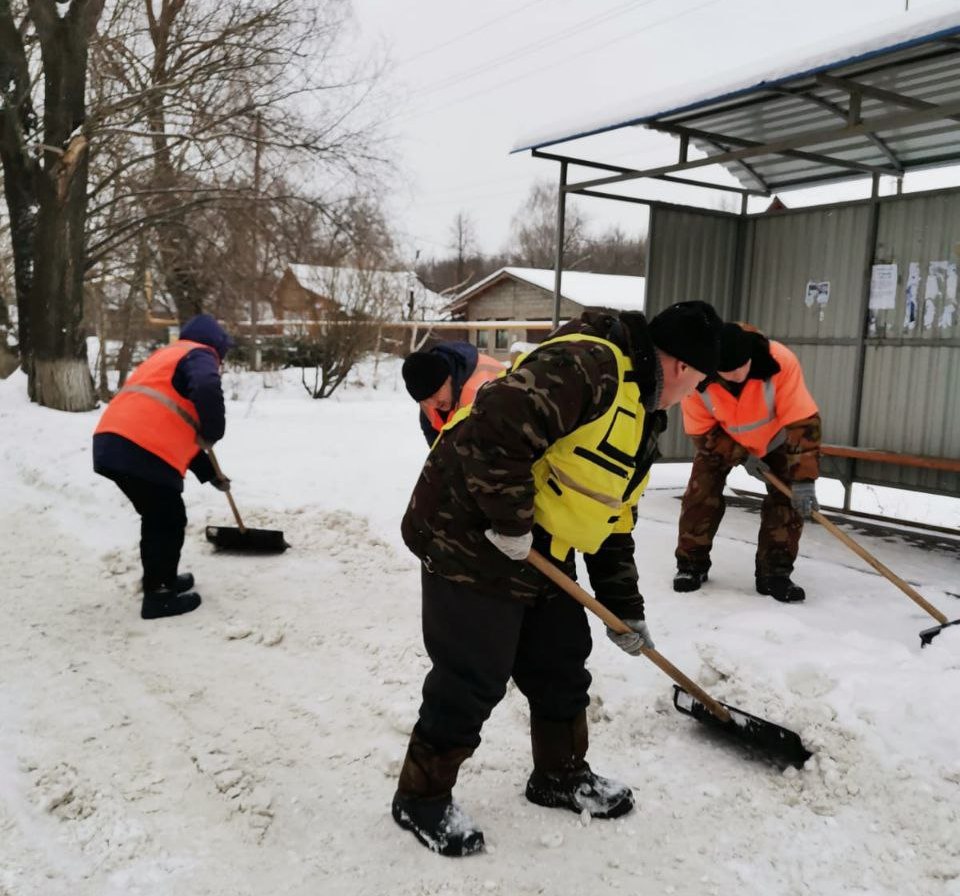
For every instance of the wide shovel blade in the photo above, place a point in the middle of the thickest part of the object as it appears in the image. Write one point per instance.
(775, 741)
(242, 538)
(779, 743)
(248, 541)
(928, 634)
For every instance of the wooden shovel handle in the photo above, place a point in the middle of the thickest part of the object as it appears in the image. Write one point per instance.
(219, 472)
(612, 621)
(861, 552)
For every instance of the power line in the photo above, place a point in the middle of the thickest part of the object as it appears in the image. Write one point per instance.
(573, 30)
(469, 33)
(565, 61)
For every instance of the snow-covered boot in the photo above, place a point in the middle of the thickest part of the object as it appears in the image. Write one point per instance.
(562, 778)
(689, 579)
(424, 804)
(780, 588)
(166, 602)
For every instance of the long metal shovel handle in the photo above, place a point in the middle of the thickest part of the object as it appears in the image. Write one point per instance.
(612, 621)
(219, 472)
(861, 552)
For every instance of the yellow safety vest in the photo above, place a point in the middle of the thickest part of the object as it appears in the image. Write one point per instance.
(583, 482)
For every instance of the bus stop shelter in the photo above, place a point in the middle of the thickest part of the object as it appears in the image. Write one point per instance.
(865, 291)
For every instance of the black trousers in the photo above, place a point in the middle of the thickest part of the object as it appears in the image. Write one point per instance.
(477, 642)
(163, 521)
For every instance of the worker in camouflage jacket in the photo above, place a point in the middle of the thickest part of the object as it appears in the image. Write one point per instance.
(758, 413)
(553, 456)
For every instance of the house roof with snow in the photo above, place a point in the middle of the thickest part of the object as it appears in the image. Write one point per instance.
(625, 293)
(884, 99)
(359, 289)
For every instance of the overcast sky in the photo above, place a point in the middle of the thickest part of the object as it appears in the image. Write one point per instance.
(469, 79)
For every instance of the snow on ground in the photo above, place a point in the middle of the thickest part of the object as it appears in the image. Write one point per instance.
(252, 747)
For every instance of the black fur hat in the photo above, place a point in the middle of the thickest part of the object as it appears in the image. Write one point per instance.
(424, 373)
(690, 332)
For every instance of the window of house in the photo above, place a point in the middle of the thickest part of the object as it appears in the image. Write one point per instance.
(482, 338)
(501, 340)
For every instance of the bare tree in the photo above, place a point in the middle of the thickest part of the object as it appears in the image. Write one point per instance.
(534, 229)
(463, 239)
(43, 61)
(208, 105)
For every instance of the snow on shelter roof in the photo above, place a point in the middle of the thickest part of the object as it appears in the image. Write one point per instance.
(619, 291)
(904, 73)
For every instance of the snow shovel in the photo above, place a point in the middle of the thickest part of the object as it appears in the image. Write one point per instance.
(240, 538)
(927, 635)
(688, 697)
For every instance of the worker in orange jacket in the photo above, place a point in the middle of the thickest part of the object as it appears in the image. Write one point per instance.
(758, 412)
(444, 379)
(149, 436)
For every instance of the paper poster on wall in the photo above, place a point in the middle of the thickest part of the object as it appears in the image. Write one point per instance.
(910, 296)
(883, 286)
(818, 293)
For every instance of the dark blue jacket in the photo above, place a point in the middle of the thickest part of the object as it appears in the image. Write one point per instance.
(196, 377)
(461, 358)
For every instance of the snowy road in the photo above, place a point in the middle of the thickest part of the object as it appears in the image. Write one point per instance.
(252, 747)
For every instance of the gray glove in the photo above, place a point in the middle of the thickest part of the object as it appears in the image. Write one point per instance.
(640, 637)
(756, 467)
(804, 498)
(221, 482)
(516, 547)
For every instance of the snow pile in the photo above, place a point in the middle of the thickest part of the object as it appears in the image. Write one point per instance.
(253, 746)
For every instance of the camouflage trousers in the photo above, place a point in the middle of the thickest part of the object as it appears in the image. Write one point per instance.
(703, 507)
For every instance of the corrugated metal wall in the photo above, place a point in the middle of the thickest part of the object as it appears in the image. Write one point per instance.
(910, 399)
(691, 255)
(784, 253)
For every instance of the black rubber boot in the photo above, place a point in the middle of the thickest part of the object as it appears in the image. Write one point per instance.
(424, 804)
(561, 777)
(689, 579)
(184, 582)
(166, 602)
(780, 588)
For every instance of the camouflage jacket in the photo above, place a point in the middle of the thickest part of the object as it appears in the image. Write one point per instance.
(479, 475)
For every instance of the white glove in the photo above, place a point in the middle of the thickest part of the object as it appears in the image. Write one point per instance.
(516, 547)
(631, 643)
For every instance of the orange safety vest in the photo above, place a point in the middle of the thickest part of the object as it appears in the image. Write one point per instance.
(152, 414)
(487, 369)
(761, 410)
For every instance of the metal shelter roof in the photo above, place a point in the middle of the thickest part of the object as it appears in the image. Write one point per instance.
(883, 101)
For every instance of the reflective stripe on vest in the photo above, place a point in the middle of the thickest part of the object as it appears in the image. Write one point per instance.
(149, 412)
(583, 483)
(769, 399)
(756, 415)
(584, 488)
(166, 402)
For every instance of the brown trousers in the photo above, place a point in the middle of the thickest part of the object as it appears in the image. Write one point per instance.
(703, 507)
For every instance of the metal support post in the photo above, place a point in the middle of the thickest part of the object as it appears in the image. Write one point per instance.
(558, 263)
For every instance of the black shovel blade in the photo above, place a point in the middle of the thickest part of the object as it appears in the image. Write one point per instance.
(928, 634)
(777, 742)
(250, 541)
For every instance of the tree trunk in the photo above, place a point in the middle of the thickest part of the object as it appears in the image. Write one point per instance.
(59, 375)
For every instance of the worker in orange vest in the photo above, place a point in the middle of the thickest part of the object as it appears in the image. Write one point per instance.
(757, 413)
(148, 437)
(444, 379)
